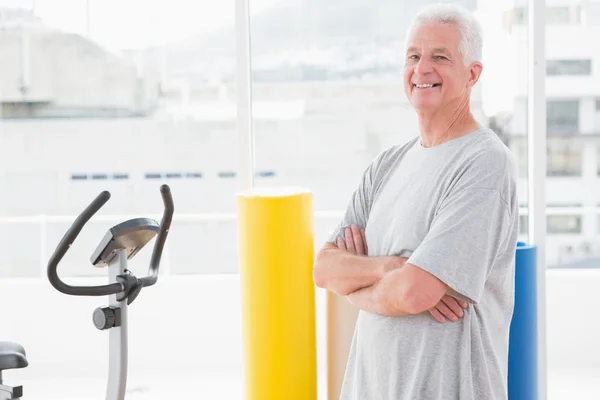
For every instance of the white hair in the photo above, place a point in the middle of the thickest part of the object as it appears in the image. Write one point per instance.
(471, 42)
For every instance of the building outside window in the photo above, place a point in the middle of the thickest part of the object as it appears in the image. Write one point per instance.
(568, 67)
(562, 116)
(564, 157)
(556, 224)
(564, 224)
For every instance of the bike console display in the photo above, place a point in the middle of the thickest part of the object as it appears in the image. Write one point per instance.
(130, 235)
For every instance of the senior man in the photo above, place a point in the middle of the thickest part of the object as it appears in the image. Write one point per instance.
(433, 221)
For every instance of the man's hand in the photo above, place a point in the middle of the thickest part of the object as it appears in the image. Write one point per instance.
(448, 307)
(355, 242)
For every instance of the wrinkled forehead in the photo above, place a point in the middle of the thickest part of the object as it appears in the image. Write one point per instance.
(434, 37)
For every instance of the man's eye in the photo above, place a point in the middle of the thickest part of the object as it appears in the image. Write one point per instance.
(440, 57)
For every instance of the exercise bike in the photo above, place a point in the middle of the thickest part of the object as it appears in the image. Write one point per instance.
(120, 244)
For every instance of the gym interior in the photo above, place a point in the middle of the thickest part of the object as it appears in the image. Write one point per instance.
(144, 144)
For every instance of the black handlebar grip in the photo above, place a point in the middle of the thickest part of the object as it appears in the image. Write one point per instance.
(165, 224)
(65, 245)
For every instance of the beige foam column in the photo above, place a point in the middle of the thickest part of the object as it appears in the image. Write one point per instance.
(341, 319)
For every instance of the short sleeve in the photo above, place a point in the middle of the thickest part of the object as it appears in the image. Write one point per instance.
(357, 211)
(470, 230)
(359, 206)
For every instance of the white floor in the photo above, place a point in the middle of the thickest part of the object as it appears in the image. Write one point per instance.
(583, 384)
(562, 385)
(190, 327)
(202, 387)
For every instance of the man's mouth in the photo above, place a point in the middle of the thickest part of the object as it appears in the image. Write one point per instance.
(426, 85)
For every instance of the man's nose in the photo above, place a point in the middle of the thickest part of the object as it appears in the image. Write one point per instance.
(424, 66)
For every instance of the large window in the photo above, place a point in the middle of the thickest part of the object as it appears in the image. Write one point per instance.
(572, 243)
(120, 96)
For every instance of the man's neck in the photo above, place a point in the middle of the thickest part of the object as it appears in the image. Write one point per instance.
(437, 129)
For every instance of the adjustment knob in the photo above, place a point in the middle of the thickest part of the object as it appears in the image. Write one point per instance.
(104, 318)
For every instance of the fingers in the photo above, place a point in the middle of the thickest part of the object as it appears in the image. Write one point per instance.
(364, 237)
(349, 240)
(446, 311)
(454, 305)
(437, 315)
(359, 242)
(354, 240)
(450, 307)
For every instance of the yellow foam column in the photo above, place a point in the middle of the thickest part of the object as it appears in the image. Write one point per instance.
(278, 297)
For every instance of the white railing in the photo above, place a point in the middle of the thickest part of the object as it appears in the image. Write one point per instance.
(46, 248)
(46, 245)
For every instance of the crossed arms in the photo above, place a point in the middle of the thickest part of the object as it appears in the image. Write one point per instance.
(384, 285)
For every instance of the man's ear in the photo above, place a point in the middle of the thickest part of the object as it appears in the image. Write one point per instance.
(475, 73)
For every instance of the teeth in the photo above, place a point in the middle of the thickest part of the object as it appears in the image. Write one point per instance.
(424, 85)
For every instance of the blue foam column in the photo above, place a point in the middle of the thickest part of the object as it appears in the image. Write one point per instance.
(522, 352)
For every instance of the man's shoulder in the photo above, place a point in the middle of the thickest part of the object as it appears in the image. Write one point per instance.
(487, 163)
(487, 155)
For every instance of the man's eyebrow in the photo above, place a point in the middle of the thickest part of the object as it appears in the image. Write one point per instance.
(442, 50)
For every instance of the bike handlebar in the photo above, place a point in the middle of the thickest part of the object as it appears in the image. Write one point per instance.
(165, 225)
(75, 229)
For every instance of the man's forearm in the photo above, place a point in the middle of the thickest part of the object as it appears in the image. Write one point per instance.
(343, 273)
(370, 299)
(376, 299)
(405, 291)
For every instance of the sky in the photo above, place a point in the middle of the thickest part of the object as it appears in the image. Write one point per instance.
(136, 23)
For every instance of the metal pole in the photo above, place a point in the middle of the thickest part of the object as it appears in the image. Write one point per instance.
(536, 132)
(118, 350)
(244, 96)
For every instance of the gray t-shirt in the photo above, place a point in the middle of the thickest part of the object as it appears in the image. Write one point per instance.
(453, 210)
